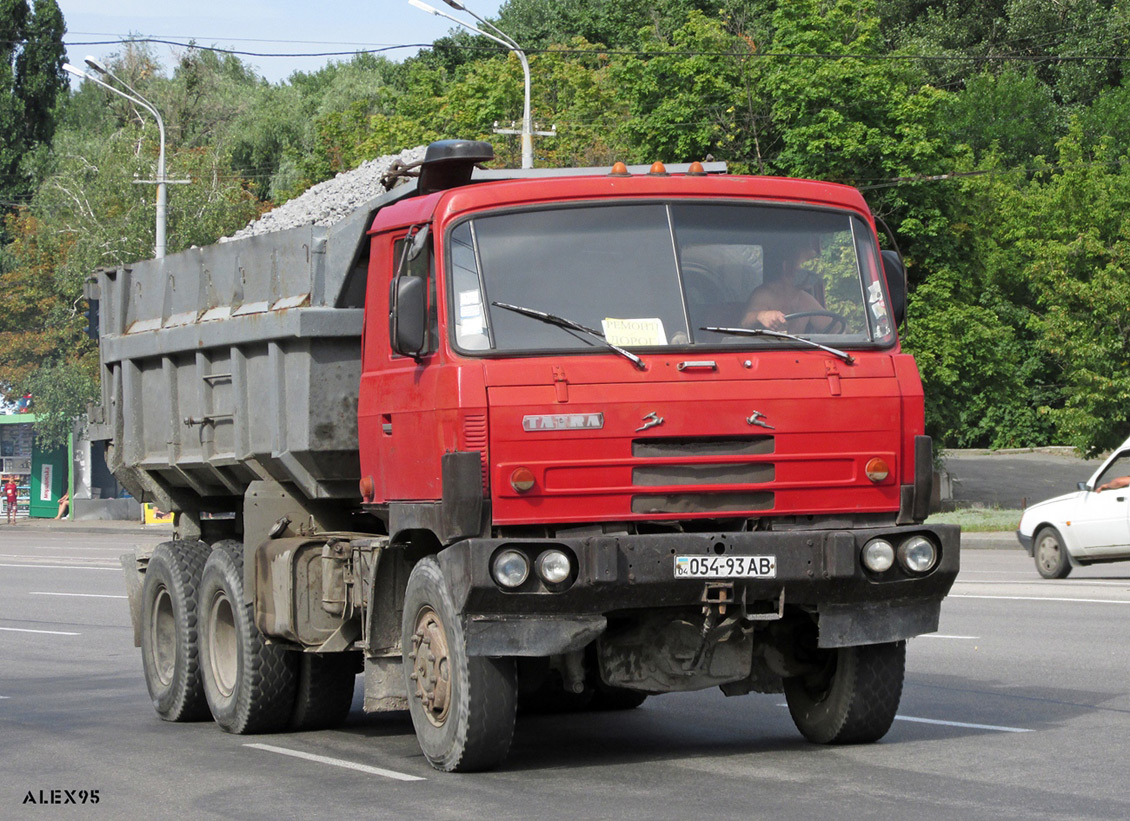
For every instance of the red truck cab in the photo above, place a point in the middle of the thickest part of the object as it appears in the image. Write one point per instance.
(578, 396)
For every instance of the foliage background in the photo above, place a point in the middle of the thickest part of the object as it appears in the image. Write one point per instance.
(992, 137)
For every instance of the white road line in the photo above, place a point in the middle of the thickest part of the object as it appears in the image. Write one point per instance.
(926, 635)
(82, 595)
(916, 720)
(36, 557)
(44, 632)
(62, 567)
(963, 724)
(1039, 598)
(336, 762)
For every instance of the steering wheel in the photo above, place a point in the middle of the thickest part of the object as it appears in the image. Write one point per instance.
(839, 318)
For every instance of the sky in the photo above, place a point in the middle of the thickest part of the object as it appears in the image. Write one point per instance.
(262, 26)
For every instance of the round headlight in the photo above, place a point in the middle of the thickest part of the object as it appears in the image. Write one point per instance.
(511, 568)
(918, 554)
(554, 566)
(878, 555)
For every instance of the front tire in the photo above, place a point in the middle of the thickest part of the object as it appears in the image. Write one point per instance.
(852, 698)
(170, 649)
(463, 708)
(250, 685)
(1050, 554)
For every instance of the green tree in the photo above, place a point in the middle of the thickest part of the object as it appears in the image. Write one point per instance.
(31, 77)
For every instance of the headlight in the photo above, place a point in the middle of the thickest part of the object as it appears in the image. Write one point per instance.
(878, 555)
(554, 567)
(918, 554)
(511, 568)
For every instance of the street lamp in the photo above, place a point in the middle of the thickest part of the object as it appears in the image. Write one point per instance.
(503, 39)
(135, 97)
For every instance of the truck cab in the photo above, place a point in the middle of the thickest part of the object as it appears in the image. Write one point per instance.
(578, 398)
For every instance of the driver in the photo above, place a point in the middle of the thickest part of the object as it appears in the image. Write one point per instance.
(779, 294)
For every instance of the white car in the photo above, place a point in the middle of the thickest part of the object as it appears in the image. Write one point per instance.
(1085, 527)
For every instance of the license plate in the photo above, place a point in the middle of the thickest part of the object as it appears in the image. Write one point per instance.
(725, 567)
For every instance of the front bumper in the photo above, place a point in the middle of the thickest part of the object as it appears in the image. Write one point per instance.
(818, 570)
(1025, 541)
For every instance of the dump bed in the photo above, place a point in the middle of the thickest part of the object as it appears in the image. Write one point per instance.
(236, 362)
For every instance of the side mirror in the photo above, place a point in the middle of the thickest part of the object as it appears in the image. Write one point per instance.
(895, 272)
(1082, 486)
(408, 316)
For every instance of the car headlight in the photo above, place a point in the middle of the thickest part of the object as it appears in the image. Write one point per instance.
(511, 568)
(554, 567)
(918, 554)
(878, 555)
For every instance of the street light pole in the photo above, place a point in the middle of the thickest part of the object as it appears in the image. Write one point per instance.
(503, 39)
(135, 97)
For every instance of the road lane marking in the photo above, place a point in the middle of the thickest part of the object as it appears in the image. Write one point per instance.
(964, 724)
(44, 632)
(62, 567)
(82, 595)
(57, 558)
(336, 762)
(935, 636)
(1039, 598)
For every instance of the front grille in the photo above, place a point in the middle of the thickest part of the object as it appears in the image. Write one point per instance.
(676, 446)
(702, 502)
(703, 474)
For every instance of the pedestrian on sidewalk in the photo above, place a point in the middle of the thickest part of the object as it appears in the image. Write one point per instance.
(11, 496)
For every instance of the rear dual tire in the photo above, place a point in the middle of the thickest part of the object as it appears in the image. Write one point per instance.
(250, 685)
(170, 623)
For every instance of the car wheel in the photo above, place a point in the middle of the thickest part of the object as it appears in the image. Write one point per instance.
(1051, 555)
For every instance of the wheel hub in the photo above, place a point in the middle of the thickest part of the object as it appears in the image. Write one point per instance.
(431, 666)
(1048, 554)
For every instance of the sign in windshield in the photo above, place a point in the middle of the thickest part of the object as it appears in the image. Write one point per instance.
(661, 275)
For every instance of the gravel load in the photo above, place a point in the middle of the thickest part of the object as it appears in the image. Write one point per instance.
(332, 200)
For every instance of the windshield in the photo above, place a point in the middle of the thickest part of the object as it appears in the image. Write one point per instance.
(658, 275)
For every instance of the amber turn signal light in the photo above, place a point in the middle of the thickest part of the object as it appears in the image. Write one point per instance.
(368, 489)
(522, 479)
(877, 470)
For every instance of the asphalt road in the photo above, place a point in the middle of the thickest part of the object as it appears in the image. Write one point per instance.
(1014, 479)
(1018, 708)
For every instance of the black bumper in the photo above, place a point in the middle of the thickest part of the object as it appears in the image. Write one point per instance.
(816, 569)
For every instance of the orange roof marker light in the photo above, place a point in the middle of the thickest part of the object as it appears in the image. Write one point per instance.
(658, 169)
(619, 170)
(695, 169)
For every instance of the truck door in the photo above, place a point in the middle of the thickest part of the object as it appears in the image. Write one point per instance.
(400, 442)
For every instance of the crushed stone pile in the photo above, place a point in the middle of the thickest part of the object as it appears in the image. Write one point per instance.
(332, 200)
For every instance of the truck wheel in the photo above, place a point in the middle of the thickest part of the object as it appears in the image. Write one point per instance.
(462, 707)
(324, 692)
(249, 685)
(853, 698)
(170, 651)
(1051, 555)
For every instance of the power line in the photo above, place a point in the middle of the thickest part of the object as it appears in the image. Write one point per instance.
(774, 55)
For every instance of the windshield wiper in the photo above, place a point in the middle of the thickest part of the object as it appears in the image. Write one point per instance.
(846, 357)
(562, 322)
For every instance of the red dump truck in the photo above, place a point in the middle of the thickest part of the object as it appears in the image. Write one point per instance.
(512, 440)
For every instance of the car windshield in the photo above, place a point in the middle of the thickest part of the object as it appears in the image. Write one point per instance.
(655, 275)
